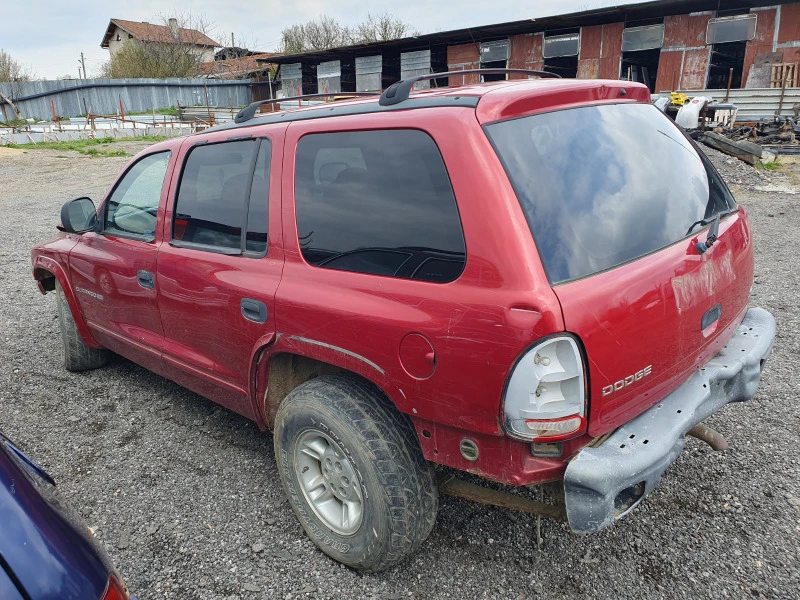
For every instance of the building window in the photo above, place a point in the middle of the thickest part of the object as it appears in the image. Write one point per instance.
(494, 55)
(556, 46)
(641, 51)
(740, 28)
(728, 37)
(642, 38)
(560, 52)
(119, 38)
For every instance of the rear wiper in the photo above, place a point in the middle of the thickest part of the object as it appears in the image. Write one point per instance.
(712, 236)
(704, 222)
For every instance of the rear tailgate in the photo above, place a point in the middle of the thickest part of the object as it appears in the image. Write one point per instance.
(641, 323)
(616, 197)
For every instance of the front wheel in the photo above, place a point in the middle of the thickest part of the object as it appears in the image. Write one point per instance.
(75, 355)
(353, 471)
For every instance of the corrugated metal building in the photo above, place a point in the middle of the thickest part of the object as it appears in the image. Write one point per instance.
(667, 44)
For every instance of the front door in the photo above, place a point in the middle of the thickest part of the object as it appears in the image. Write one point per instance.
(113, 269)
(219, 272)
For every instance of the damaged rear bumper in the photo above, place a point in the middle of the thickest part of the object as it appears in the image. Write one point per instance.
(603, 483)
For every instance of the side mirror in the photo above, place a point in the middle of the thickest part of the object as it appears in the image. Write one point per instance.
(78, 216)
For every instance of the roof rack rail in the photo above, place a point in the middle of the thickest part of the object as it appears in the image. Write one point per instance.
(400, 90)
(249, 111)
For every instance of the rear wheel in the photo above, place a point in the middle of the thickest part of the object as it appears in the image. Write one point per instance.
(354, 473)
(76, 355)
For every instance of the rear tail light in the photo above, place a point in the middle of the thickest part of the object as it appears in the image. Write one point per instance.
(545, 399)
(115, 590)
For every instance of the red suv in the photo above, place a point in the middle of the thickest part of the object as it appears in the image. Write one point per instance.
(529, 280)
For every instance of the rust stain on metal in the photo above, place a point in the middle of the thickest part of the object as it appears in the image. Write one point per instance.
(482, 495)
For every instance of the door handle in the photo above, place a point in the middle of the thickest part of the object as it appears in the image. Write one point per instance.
(253, 310)
(146, 279)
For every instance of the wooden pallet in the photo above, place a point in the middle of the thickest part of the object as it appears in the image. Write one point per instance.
(781, 71)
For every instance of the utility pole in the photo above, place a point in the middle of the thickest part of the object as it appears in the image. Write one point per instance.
(83, 64)
(232, 42)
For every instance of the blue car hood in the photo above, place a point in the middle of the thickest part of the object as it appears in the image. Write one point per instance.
(44, 547)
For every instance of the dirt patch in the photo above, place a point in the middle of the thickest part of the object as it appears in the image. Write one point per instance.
(186, 496)
(10, 151)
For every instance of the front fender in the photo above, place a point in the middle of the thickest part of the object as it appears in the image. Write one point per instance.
(45, 267)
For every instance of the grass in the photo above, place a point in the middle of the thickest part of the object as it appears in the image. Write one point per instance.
(94, 148)
(773, 166)
(171, 111)
(14, 123)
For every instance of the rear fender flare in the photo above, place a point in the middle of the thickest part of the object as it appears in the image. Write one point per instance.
(45, 267)
(330, 356)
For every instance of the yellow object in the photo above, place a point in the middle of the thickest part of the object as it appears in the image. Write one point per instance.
(678, 99)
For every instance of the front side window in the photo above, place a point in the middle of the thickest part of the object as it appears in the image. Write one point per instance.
(224, 191)
(378, 202)
(604, 185)
(132, 208)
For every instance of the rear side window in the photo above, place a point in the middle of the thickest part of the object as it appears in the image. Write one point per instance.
(378, 202)
(224, 191)
(604, 185)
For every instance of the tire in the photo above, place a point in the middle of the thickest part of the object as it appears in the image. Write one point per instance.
(377, 464)
(76, 355)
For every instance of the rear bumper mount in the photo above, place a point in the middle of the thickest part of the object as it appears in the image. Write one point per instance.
(603, 483)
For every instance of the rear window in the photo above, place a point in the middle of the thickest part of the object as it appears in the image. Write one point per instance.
(604, 185)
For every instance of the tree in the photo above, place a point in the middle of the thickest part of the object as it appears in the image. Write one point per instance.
(326, 32)
(171, 53)
(15, 75)
(317, 34)
(379, 28)
(11, 70)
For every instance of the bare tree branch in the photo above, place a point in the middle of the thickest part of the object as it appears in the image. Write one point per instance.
(326, 32)
(13, 73)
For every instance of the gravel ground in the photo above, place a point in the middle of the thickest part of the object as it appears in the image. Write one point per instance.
(186, 498)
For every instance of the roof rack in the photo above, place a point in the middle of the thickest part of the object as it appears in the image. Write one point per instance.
(249, 111)
(399, 91)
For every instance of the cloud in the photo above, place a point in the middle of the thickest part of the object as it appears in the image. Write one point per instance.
(52, 42)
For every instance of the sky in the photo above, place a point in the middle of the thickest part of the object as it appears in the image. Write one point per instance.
(48, 36)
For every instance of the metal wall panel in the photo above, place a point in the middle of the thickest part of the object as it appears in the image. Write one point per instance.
(291, 80)
(329, 77)
(416, 63)
(754, 103)
(103, 96)
(369, 71)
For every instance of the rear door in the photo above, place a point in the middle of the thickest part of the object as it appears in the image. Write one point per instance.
(113, 270)
(218, 274)
(617, 198)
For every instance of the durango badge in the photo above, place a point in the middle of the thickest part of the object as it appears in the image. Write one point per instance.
(610, 389)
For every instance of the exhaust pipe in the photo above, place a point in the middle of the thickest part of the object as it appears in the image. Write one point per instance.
(709, 436)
